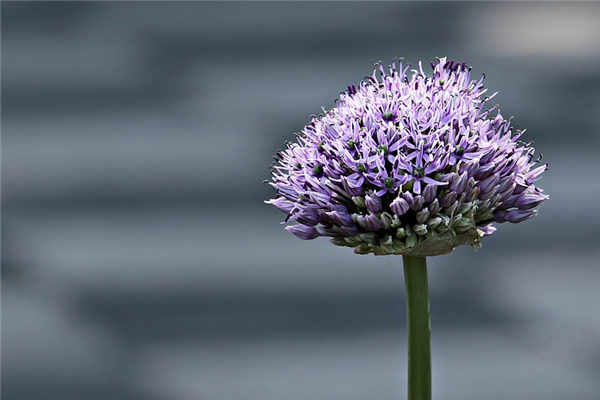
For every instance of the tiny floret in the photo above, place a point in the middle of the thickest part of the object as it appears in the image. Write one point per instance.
(408, 163)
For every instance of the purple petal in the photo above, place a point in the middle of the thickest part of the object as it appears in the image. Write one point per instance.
(399, 206)
(303, 231)
(373, 203)
(529, 200)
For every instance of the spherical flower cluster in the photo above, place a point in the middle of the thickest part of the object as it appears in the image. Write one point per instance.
(407, 164)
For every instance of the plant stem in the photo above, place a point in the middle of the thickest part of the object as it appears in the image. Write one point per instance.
(419, 328)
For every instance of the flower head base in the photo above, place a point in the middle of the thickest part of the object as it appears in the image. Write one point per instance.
(407, 164)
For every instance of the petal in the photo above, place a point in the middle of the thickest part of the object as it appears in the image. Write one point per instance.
(303, 231)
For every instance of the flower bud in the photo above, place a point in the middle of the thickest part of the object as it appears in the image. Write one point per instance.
(369, 222)
(429, 193)
(470, 167)
(422, 216)
(303, 231)
(529, 200)
(434, 207)
(417, 203)
(483, 214)
(484, 170)
(445, 221)
(471, 182)
(338, 218)
(359, 201)
(400, 233)
(420, 229)
(463, 225)
(473, 194)
(433, 222)
(448, 199)
(350, 230)
(399, 206)
(503, 194)
(411, 240)
(387, 244)
(496, 198)
(332, 231)
(352, 241)
(386, 220)
(369, 238)
(514, 215)
(363, 248)
(488, 184)
(409, 198)
(505, 183)
(283, 204)
(373, 203)
(459, 183)
(509, 202)
(487, 229)
(455, 218)
(450, 210)
(489, 194)
(308, 217)
(519, 188)
(398, 245)
(464, 207)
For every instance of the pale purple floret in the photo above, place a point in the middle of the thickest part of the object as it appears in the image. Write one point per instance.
(399, 206)
(404, 157)
(303, 231)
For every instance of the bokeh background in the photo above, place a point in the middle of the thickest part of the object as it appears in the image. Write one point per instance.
(139, 261)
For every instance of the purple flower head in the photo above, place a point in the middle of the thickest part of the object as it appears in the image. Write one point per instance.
(408, 163)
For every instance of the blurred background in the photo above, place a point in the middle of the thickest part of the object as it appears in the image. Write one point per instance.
(139, 261)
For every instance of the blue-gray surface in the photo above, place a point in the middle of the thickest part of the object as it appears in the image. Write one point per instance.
(140, 263)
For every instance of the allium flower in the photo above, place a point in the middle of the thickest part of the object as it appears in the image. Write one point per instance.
(408, 164)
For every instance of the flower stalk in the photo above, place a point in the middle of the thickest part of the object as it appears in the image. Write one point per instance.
(408, 163)
(419, 328)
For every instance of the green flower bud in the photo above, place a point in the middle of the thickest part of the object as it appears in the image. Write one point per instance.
(464, 207)
(398, 245)
(450, 210)
(368, 238)
(411, 240)
(352, 241)
(400, 233)
(359, 201)
(422, 216)
(386, 243)
(362, 248)
(463, 225)
(420, 229)
(433, 222)
(386, 220)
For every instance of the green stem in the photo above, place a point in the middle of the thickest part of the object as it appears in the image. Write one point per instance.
(419, 328)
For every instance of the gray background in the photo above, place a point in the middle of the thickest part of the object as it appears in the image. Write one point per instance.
(139, 261)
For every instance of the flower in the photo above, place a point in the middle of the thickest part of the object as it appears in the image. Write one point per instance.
(408, 164)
